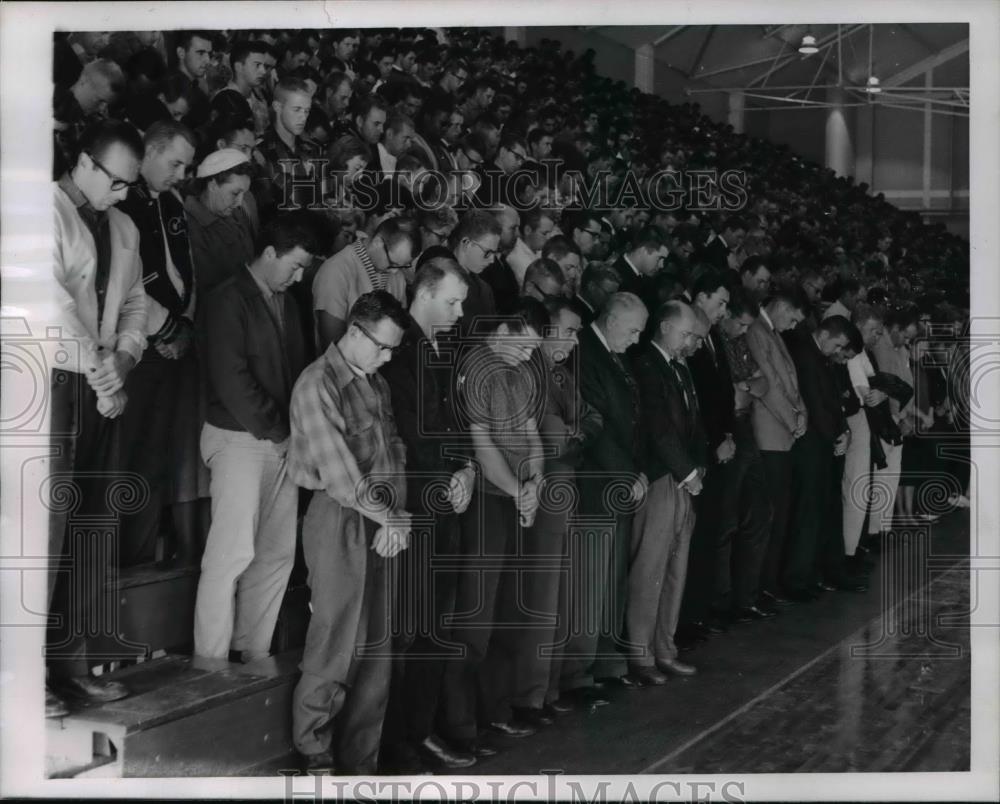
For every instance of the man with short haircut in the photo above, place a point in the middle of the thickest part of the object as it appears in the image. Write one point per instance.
(717, 251)
(811, 557)
(454, 76)
(396, 141)
(484, 90)
(254, 351)
(287, 154)
(503, 404)
(194, 53)
(238, 99)
(845, 292)
(335, 93)
(87, 98)
(475, 244)
(598, 284)
(539, 145)
(608, 462)
(360, 268)
(98, 86)
(369, 119)
(544, 281)
(755, 277)
(422, 388)
(345, 447)
(499, 179)
(674, 456)
(779, 420)
(643, 260)
(567, 425)
(537, 226)
(157, 209)
(566, 255)
(102, 322)
(583, 227)
(498, 274)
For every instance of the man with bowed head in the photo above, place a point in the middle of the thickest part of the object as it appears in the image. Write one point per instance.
(675, 454)
(607, 384)
(344, 446)
(102, 320)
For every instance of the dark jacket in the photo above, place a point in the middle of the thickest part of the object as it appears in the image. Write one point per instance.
(716, 254)
(714, 383)
(422, 386)
(817, 385)
(673, 439)
(606, 386)
(251, 363)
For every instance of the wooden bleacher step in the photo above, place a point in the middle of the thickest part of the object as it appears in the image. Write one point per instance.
(185, 717)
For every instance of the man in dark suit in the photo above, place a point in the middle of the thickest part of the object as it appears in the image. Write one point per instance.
(641, 262)
(814, 459)
(716, 252)
(674, 455)
(608, 471)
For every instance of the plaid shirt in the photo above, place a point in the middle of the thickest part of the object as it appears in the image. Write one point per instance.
(344, 438)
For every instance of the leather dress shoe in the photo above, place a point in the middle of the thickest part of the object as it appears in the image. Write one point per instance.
(558, 708)
(648, 677)
(90, 689)
(611, 682)
(54, 705)
(675, 667)
(512, 728)
(771, 599)
(752, 613)
(530, 716)
(586, 697)
(318, 764)
(436, 754)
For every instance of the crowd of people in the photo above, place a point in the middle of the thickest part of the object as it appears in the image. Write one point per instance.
(406, 299)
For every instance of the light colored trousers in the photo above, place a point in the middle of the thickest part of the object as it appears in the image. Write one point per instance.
(862, 482)
(661, 536)
(251, 545)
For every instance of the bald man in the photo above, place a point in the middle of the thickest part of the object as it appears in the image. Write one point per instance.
(674, 455)
(609, 476)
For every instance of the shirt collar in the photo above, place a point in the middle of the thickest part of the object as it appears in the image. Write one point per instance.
(268, 293)
(767, 319)
(343, 372)
(666, 357)
(631, 265)
(600, 336)
(67, 185)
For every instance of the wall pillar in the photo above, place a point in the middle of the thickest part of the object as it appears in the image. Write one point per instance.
(645, 68)
(737, 109)
(516, 34)
(839, 147)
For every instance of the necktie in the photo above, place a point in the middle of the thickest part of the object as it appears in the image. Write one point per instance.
(690, 398)
(97, 222)
(632, 387)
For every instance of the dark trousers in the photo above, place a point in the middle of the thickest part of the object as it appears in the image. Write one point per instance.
(425, 600)
(147, 428)
(489, 535)
(699, 589)
(778, 472)
(812, 466)
(84, 488)
(831, 563)
(744, 525)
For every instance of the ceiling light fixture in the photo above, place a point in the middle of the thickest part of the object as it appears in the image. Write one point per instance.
(873, 87)
(808, 46)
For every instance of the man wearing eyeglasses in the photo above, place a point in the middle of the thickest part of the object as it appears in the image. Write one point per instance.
(345, 446)
(102, 321)
(584, 228)
(157, 210)
(360, 268)
(475, 244)
(451, 81)
(498, 179)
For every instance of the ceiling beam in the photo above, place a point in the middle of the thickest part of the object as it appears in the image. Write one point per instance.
(922, 66)
(796, 56)
(701, 51)
(668, 35)
(919, 39)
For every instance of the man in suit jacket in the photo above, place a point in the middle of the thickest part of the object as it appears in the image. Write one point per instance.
(254, 351)
(673, 455)
(598, 284)
(608, 471)
(641, 262)
(811, 557)
(779, 417)
(716, 252)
